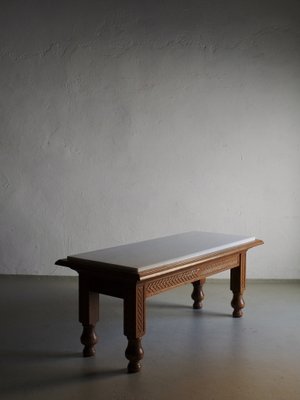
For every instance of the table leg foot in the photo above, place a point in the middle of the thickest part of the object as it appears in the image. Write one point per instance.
(198, 294)
(237, 304)
(134, 353)
(89, 339)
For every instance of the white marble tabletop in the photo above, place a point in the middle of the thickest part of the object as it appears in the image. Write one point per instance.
(149, 254)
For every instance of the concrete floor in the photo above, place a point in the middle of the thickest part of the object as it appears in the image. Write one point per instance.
(188, 354)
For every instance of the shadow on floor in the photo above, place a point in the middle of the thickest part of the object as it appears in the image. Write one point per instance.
(43, 372)
(172, 306)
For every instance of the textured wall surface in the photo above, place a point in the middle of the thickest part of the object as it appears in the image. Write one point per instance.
(127, 120)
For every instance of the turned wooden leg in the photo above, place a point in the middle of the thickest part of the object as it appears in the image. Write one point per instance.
(88, 315)
(237, 286)
(134, 326)
(88, 339)
(134, 353)
(198, 294)
(237, 304)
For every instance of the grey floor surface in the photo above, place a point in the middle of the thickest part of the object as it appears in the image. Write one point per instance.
(189, 354)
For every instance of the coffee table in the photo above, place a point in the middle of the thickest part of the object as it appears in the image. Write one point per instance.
(136, 271)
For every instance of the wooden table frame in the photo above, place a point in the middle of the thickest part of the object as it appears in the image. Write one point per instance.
(134, 288)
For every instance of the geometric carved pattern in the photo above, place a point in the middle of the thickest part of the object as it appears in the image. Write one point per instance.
(220, 265)
(164, 283)
(140, 317)
(161, 284)
(243, 270)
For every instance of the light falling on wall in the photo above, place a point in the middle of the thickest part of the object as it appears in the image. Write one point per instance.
(123, 121)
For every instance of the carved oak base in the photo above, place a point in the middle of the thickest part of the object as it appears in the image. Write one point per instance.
(134, 353)
(135, 286)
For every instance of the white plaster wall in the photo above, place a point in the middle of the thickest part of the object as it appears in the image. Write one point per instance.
(123, 121)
